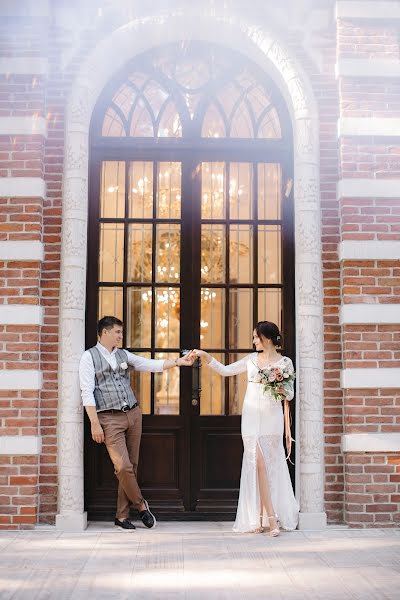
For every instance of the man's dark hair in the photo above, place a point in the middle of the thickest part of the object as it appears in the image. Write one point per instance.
(107, 323)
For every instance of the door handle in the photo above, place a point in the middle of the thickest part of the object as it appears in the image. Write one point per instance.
(196, 385)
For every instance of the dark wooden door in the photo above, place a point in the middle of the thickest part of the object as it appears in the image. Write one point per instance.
(194, 263)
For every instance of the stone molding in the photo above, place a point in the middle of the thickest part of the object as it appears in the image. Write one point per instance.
(352, 9)
(368, 379)
(365, 67)
(23, 126)
(369, 250)
(21, 314)
(369, 313)
(368, 126)
(22, 187)
(20, 379)
(18, 65)
(20, 250)
(368, 188)
(106, 59)
(24, 445)
(371, 442)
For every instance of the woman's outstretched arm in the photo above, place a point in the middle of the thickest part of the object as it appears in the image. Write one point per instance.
(240, 366)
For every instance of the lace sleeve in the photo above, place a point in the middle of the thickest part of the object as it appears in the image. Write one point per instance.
(289, 386)
(240, 366)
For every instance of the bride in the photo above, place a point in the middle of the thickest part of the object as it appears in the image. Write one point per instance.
(266, 496)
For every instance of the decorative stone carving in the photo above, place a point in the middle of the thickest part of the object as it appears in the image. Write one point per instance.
(70, 493)
(309, 285)
(305, 142)
(75, 194)
(310, 337)
(309, 389)
(75, 237)
(78, 111)
(76, 154)
(311, 442)
(74, 289)
(307, 229)
(312, 492)
(283, 61)
(298, 95)
(307, 192)
(72, 340)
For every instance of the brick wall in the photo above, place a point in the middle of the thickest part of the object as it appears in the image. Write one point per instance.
(371, 478)
(21, 220)
(372, 489)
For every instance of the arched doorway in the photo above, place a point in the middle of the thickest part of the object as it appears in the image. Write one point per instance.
(190, 243)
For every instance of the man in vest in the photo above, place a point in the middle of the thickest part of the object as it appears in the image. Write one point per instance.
(114, 413)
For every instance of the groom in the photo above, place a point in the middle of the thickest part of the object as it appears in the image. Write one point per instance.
(114, 413)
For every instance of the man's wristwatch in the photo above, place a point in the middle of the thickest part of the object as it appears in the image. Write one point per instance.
(176, 362)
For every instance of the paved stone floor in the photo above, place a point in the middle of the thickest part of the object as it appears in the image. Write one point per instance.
(199, 561)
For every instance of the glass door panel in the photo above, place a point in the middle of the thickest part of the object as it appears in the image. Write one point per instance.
(213, 253)
(141, 189)
(212, 390)
(241, 254)
(141, 383)
(241, 268)
(139, 268)
(140, 252)
(169, 190)
(112, 192)
(166, 384)
(213, 191)
(269, 191)
(111, 252)
(139, 311)
(110, 302)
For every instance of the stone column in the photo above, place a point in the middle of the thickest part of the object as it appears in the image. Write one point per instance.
(71, 515)
(310, 346)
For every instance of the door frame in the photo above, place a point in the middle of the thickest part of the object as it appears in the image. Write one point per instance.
(267, 50)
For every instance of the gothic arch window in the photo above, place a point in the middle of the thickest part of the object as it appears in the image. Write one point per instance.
(196, 93)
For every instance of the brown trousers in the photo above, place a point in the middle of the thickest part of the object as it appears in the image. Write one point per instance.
(122, 433)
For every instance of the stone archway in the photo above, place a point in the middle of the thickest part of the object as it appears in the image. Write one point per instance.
(105, 60)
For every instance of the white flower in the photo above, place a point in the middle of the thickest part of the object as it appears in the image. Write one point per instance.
(123, 366)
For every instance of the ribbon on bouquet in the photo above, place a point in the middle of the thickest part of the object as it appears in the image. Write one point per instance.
(288, 422)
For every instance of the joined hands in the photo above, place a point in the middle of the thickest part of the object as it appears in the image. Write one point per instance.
(193, 355)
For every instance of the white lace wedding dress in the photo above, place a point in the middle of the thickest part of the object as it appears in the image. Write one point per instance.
(262, 425)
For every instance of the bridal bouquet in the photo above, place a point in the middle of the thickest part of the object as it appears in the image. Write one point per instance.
(276, 380)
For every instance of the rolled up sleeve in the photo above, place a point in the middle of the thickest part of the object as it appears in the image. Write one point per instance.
(86, 379)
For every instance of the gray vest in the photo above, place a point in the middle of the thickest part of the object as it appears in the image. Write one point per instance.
(112, 388)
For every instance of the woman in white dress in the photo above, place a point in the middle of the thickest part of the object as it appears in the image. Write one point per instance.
(266, 496)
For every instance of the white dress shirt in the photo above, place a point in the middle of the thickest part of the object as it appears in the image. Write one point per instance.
(87, 372)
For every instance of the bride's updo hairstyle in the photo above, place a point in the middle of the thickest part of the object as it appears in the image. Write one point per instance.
(270, 331)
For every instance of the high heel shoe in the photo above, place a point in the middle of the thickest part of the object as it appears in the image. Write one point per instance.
(259, 529)
(275, 531)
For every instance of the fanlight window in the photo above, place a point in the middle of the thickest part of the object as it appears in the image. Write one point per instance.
(189, 93)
